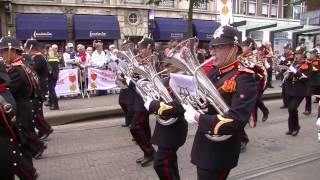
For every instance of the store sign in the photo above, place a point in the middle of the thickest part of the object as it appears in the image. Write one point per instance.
(42, 34)
(93, 34)
(134, 1)
(167, 3)
(176, 35)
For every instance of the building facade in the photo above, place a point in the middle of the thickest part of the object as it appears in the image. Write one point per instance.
(85, 20)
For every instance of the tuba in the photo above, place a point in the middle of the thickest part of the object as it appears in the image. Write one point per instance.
(183, 57)
(149, 83)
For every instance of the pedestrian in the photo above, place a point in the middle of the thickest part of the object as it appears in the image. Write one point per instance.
(13, 160)
(297, 88)
(54, 61)
(168, 138)
(270, 56)
(41, 67)
(23, 86)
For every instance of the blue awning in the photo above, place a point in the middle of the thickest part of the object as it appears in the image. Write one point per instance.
(169, 28)
(42, 26)
(204, 29)
(96, 27)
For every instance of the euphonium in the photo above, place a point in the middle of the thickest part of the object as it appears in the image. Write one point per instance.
(183, 57)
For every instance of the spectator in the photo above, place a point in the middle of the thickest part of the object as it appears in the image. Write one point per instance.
(89, 52)
(82, 55)
(270, 62)
(98, 58)
(69, 56)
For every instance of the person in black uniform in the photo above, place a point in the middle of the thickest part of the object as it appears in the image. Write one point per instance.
(23, 87)
(54, 61)
(269, 55)
(39, 64)
(315, 80)
(289, 58)
(297, 88)
(140, 127)
(13, 161)
(238, 87)
(167, 138)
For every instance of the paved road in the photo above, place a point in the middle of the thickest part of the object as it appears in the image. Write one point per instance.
(102, 150)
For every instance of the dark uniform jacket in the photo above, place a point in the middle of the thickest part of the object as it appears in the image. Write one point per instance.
(174, 135)
(315, 75)
(239, 91)
(40, 66)
(299, 84)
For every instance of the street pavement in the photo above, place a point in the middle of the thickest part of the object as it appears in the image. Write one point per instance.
(103, 150)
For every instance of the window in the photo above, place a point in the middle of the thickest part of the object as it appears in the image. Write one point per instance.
(133, 18)
(235, 6)
(167, 3)
(297, 10)
(252, 7)
(274, 8)
(265, 8)
(134, 1)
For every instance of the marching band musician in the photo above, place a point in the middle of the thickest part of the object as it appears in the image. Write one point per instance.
(168, 138)
(23, 86)
(298, 86)
(238, 87)
(289, 58)
(315, 81)
(40, 65)
(140, 127)
(13, 160)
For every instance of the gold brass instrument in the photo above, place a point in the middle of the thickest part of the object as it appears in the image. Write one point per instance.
(150, 83)
(183, 56)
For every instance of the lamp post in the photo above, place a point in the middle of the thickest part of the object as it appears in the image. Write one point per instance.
(151, 23)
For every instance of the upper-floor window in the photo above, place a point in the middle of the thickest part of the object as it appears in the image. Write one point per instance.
(93, 1)
(250, 7)
(265, 8)
(290, 11)
(274, 8)
(235, 7)
(297, 10)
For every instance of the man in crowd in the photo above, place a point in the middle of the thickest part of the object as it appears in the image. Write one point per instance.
(98, 58)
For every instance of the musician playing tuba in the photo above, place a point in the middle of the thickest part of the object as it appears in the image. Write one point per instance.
(238, 87)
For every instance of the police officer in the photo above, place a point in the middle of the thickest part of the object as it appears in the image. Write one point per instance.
(23, 86)
(140, 127)
(13, 160)
(40, 65)
(168, 138)
(289, 58)
(54, 61)
(297, 88)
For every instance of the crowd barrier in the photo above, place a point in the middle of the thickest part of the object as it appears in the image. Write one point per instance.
(82, 81)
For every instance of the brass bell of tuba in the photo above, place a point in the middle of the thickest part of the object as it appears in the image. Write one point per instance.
(183, 57)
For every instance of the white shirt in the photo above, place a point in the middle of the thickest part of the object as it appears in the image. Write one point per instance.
(98, 60)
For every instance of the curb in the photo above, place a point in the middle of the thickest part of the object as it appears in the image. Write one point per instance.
(68, 116)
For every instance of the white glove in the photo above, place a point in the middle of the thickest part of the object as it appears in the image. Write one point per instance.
(189, 114)
(148, 102)
(318, 122)
(127, 80)
(292, 69)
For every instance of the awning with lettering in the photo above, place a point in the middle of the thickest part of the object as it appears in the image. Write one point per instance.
(170, 28)
(204, 29)
(41, 26)
(96, 27)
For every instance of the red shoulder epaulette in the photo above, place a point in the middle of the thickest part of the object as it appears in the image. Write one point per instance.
(243, 69)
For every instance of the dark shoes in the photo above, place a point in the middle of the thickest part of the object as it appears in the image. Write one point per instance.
(289, 133)
(47, 104)
(270, 86)
(295, 132)
(243, 147)
(265, 116)
(307, 112)
(43, 136)
(54, 108)
(144, 161)
(39, 153)
(283, 107)
(124, 125)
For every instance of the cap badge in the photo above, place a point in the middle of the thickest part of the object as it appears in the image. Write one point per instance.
(218, 32)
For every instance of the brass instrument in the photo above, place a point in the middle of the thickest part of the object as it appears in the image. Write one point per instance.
(183, 56)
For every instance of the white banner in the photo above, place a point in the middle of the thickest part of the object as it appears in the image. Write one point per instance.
(225, 9)
(101, 79)
(67, 82)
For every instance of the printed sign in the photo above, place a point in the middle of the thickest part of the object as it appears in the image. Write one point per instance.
(67, 82)
(99, 79)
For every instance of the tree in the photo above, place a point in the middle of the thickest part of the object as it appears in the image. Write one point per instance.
(192, 4)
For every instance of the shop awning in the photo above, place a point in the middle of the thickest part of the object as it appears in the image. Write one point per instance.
(307, 29)
(96, 27)
(170, 28)
(203, 29)
(255, 26)
(41, 26)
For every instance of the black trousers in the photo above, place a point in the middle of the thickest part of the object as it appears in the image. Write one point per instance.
(166, 163)
(52, 81)
(284, 95)
(259, 104)
(308, 104)
(244, 136)
(40, 123)
(293, 104)
(269, 77)
(204, 174)
(127, 113)
(141, 132)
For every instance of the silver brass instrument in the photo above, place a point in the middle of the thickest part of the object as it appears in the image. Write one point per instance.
(150, 83)
(183, 57)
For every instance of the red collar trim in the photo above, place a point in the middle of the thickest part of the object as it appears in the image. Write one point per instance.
(3, 88)
(229, 67)
(247, 54)
(18, 59)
